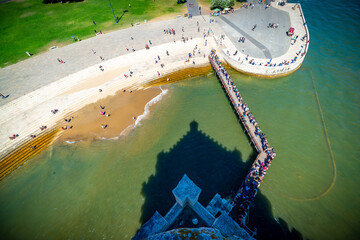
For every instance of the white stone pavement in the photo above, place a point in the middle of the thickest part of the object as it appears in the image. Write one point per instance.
(40, 70)
(41, 84)
(297, 49)
(263, 42)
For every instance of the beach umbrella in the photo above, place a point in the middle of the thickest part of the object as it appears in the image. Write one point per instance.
(217, 10)
(227, 9)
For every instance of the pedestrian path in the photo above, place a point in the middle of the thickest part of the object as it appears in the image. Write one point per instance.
(266, 153)
(263, 48)
(40, 70)
(252, 23)
(193, 8)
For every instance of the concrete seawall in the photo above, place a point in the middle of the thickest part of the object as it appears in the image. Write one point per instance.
(273, 67)
(261, 71)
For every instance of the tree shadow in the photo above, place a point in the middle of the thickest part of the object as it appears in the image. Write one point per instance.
(119, 18)
(262, 218)
(210, 165)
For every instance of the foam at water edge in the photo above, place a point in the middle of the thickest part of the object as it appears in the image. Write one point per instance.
(113, 138)
(145, 113)
(138, 120)
(149, 104)
(72, 142)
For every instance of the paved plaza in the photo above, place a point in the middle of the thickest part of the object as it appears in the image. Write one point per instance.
(263, 42)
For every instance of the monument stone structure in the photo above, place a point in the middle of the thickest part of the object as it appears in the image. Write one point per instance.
(189, 219)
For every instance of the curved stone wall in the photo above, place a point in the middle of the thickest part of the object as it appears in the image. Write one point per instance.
(274, 67)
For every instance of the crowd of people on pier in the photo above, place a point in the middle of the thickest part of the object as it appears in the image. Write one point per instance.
(249, 187)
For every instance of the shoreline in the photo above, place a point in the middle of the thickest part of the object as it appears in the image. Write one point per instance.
(73, 92)
(137, 103)
(26, 151)
(140, 69)
(122, 107)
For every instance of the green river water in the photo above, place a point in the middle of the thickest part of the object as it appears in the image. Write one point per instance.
(107, 189)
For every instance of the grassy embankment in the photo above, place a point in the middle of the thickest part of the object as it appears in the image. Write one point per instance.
(30, 25)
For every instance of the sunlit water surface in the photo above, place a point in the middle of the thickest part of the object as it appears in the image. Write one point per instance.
(95, 190)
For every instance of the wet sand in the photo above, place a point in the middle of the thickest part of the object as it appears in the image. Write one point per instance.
(122, 107)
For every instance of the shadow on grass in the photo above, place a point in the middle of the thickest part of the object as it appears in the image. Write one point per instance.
(208, 164)
(62, 1)
(119, 18)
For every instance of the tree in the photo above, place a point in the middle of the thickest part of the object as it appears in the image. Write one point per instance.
(222, 4)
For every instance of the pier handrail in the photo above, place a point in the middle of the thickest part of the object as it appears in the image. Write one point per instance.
(248, 188)
(237, 111)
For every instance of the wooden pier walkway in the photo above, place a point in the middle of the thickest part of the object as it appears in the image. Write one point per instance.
(249, 187)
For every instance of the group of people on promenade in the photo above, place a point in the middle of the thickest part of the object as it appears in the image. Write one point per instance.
(217, 13)
(269, 63)
(249, 187)
(60, 60)
(241, 39)
(171, 31)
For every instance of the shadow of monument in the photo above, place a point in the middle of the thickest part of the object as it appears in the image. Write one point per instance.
(214, 169)
(209, 164)
(261, 218)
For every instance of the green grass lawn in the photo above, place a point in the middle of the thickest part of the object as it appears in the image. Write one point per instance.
(30, 25)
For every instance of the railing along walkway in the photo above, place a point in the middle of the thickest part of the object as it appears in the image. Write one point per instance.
(249, 187)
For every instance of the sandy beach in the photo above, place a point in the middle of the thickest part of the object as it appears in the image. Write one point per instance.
(122, 108)
(125, 86)
(130, 72)
(96, 72)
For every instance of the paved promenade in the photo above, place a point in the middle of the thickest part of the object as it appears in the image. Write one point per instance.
(263, 42)
(41, 70)
(41, 83)
(276, 66)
